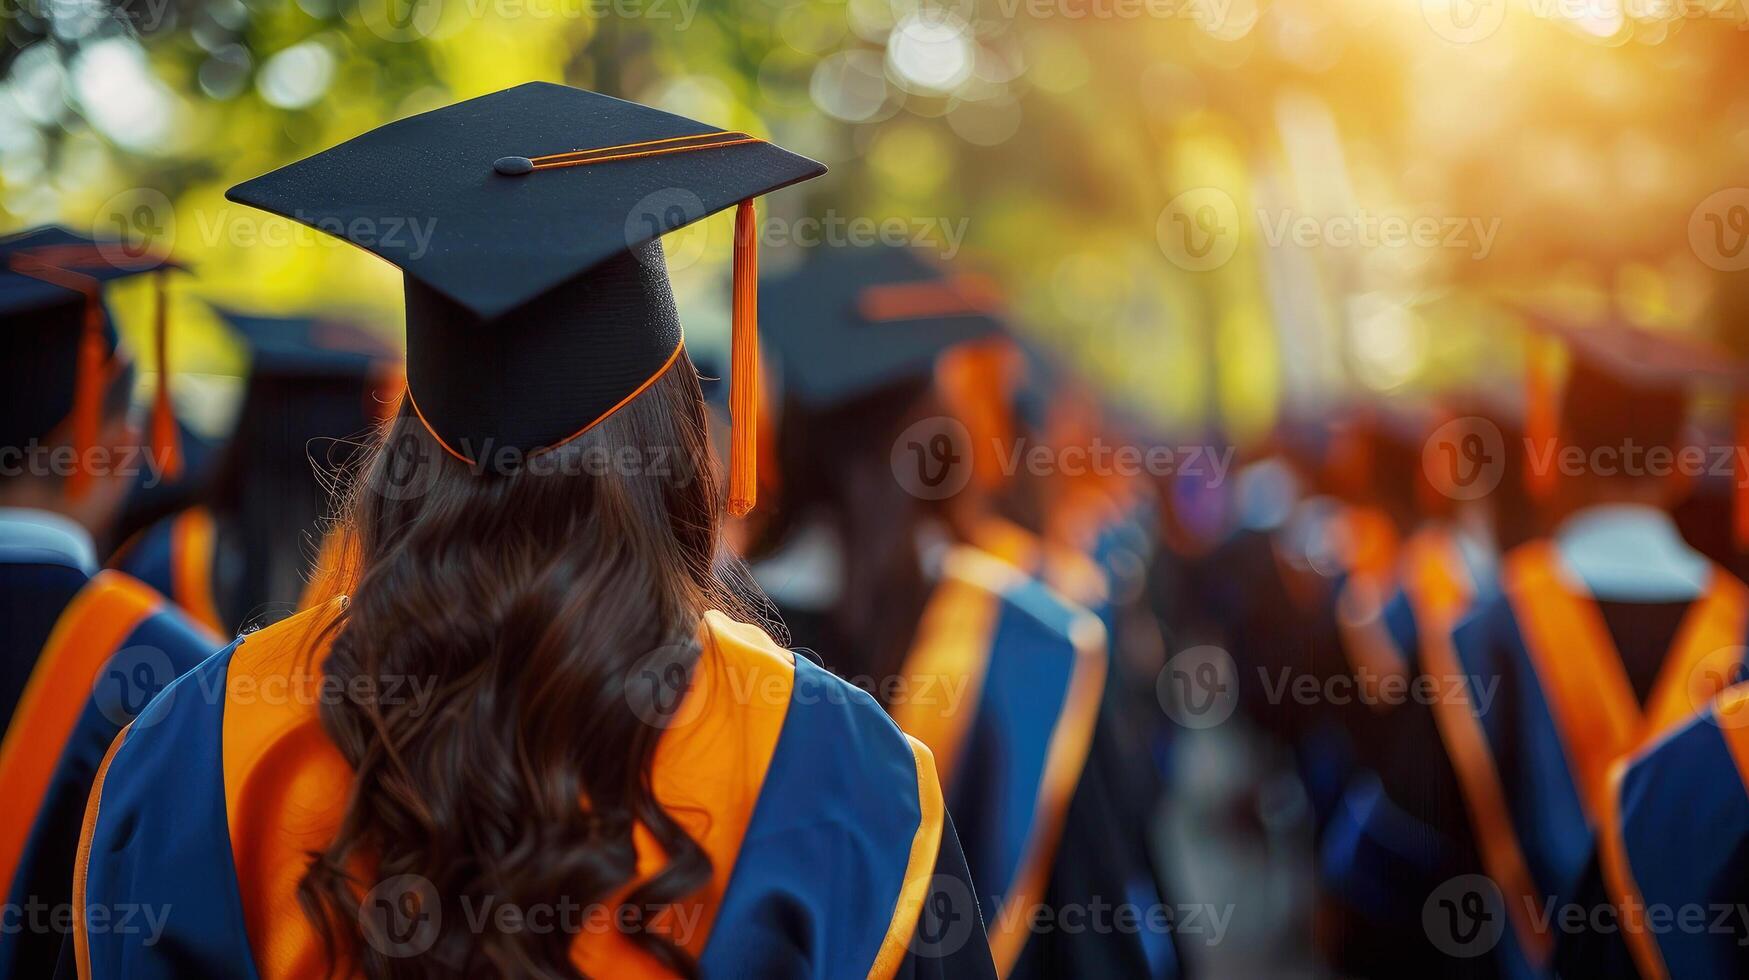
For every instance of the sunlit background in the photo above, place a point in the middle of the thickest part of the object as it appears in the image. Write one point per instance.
(1214, 206)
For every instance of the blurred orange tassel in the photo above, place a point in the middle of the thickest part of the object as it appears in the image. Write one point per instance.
(1541, 422)
(1740, 498)
(165, 438)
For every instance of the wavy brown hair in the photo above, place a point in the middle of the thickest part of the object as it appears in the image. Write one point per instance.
(531, 598)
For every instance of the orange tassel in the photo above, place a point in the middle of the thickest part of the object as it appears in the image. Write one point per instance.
(1740, 499)
(165, 437)
(1541, 423)
(59, 265)
(744, 369)
(87, 393)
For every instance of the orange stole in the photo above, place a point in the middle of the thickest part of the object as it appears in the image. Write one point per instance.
(1437, 580)
(1581, 674)
(286, 784)
(1594, 709)
(1438, 587)
(193, 538)
(1068, 571)
(87, 633)
(952, 642)
(1369, 541)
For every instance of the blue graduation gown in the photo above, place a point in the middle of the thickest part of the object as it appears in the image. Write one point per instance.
(114, 646)
(178, 556)
(1005, 683)
(1399, 831)
(830, 849)
(1548, 708)
(42, 566)
(1669, 887)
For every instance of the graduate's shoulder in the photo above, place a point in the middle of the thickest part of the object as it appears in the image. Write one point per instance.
(1713, 742)
(248, 695)
(1030, 609)
(838, 786)
(755, 682)
(160, 623)
(44, 548)
(120, 640)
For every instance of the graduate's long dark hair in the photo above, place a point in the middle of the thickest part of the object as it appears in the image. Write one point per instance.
(529, 599)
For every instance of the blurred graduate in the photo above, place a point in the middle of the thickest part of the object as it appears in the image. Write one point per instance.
(1669, 882)
(84, 649)
(1600, 639)
(603, 728)
(891, 550)
(1400, 829)
(240, 551)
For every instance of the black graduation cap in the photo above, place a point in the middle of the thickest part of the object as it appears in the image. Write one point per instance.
(1624, 382)
(308, 346)
(526, 224)
(60, 345)
(850, 321)
(310, 378)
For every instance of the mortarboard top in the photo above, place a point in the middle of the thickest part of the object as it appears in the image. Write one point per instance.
(102, 261)
(310, 378)
(307, 346)
(526, 226)
(848, 322)
(1643, 360)
(61, 344)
